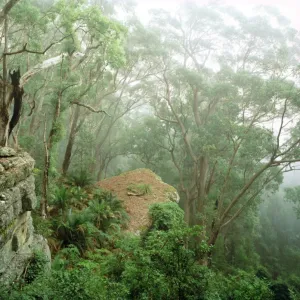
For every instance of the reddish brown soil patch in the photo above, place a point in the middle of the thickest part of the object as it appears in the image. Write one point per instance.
(137, 206)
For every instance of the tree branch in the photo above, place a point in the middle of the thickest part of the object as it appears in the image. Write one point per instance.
(284, 161)
(90, 108)
(239, 211)
(6, 9)
(164, 119)
(280, 128)
(45, 65)
(24, 49)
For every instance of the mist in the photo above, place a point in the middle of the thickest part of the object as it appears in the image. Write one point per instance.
(150, 150)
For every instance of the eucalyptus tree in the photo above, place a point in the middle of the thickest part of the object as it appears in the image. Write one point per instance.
(63, 50)
(11, 23)
(100, 41)
(230, 105)
(122, 93)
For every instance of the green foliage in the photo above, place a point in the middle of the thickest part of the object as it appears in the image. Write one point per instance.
(77, 229)
(281, 291)
(165, 216)
(165, 268)
(35, 267)
(107, 211)
(80, 178)
(64, 197)
(61, 197)
(293, 195)
(242, 286)
(42, 226)
(200, 104)
(85, 225)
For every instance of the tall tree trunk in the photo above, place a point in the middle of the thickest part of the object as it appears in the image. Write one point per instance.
(4, 115)
(187, 210)
(4, 120)
(207, 259)
(6, 9)
(35, 114)
(47, 158)
(73, 131)
(100, 171)
(203, 172)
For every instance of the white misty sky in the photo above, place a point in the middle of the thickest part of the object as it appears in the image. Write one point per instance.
(288, 8)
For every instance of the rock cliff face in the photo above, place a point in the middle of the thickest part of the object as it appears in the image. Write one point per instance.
(17, 199)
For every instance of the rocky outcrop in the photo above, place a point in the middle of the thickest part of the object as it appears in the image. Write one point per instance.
(17, 199)
(138, 189)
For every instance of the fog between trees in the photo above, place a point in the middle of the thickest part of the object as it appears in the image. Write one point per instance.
(206, 97)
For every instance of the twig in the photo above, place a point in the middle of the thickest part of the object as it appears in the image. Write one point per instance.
(90, 108)
(24, 49)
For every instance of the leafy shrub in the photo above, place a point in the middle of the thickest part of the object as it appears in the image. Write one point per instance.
(281, 291)
(242, 286)
(36, 266)
(262, 273)
(79, 197)
(71, 277)
(76, 230)
(165, 268)
(294, 283)
(162, 266)
(107, 211)
(61, 198)
(165, 216)
(42, 226)
(80, 178)
(90, 227)
(64, 197)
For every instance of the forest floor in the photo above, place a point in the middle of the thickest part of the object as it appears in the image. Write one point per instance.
(137, 204)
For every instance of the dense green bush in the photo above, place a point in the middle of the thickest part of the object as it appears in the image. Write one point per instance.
(165, 216)
(165, 268)
(161, 264)
(241, 286)
(86, 228)
(80, 178)
(77, 229)
(281, 291)
(71, 278)
(35, 267)
(61, 198)
(107, 211)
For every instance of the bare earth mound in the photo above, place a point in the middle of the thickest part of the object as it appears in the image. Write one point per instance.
(135, 202)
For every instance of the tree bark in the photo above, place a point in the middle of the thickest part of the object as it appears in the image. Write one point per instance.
(73, 131)
(202, 182)
(47, 158)
(6, 9)
(4, 115)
